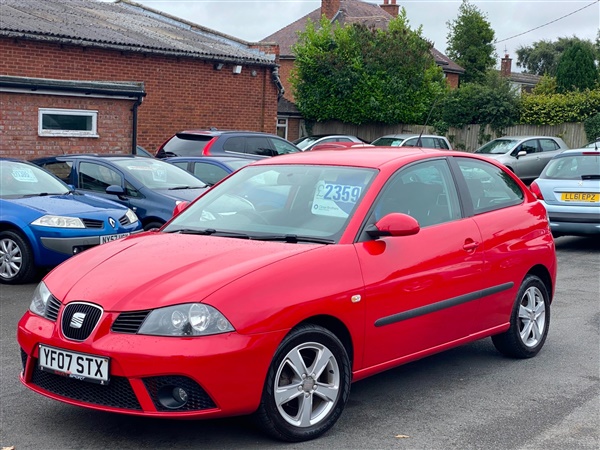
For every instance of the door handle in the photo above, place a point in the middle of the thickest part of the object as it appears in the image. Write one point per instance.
(470, 245)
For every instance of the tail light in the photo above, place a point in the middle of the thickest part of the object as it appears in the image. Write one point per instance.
(206, 149)
(533, 187)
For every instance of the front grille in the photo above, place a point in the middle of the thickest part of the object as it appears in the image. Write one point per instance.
(117, 394)
(124, 221)
(129, 322)
(92, 223)
(84, 315)
(52, 308)
(198, 399)
(23, 358)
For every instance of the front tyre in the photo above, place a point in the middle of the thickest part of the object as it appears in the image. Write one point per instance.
(16, 258)
(307, 385)
(529, 321)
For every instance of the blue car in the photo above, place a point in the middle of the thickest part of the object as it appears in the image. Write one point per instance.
(209, 169)
(150, 187)
(43, 222)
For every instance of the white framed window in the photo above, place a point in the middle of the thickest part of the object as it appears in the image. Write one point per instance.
(67, 122)
(282, 127)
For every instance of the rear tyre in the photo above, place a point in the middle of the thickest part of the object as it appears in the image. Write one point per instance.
(307, 385)
(16, 258)
(529, 321)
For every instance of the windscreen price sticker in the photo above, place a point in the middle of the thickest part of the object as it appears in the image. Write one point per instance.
(335, 200)
(79, 366)
(24, 175)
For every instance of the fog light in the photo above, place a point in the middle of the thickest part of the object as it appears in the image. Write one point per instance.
(172, 397)
(76, 250)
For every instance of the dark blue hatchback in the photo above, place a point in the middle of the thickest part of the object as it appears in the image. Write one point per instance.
(150, 187)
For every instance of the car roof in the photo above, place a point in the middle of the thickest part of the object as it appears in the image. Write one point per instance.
(208, 132)
(579, 151)
(221, 158)
(367, 157)
(88, 156)
(408, 135)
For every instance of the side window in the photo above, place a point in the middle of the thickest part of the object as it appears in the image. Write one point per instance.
(97, 177)
(259, 145)
(548, 145)
(425, 191)
(410, 142)
(209, 173)
(62, 169)
(131, 191)
(234, 144)
(490, 188)
(183, 165)
(283, 147)
(529, 146)
(441, 143)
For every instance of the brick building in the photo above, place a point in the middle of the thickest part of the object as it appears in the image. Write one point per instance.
(343, 12)
(85, 75)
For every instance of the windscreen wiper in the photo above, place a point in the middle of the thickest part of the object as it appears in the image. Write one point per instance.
(179, 188)
(590, 177)
(292, 238)
(210, 232)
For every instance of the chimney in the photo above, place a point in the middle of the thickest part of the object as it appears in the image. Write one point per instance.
(329, 8)
(390, 7)
(505, 66)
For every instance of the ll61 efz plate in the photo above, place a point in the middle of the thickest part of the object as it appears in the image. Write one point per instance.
(80, 366)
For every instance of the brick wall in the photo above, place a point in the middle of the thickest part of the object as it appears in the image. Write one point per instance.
(182, 93)
(19, 126)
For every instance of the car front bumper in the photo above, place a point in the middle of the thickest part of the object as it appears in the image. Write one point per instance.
(223, 375)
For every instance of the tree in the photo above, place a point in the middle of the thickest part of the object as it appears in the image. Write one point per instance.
(576, 69)
(541, 58)
(493, 102)
(357, 74)
(470, 43)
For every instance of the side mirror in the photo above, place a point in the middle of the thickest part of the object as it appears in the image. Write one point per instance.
(180, 207)
(521, 153)
(394, 224)
(115, 190)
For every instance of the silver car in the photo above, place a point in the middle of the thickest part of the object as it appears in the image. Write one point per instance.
(526, 156)
(569, 188)
(413, 140)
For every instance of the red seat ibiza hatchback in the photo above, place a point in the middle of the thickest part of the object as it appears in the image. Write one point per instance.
(285, 282)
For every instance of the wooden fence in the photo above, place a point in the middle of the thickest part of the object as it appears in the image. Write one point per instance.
(466, 138)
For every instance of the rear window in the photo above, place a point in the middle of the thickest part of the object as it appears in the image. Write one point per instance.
(573, 167)
(186, 145)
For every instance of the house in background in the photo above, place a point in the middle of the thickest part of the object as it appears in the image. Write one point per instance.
(101, 77)
(344, 12)
(523, 82)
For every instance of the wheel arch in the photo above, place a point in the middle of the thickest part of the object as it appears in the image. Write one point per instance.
(338, 328)
(10, 226)
(543, 274)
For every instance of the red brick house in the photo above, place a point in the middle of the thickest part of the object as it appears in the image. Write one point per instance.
(85, 75)
(343, 12)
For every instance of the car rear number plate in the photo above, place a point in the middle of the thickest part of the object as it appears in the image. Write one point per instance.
(580, 197)
(112, 237)
(79, 366)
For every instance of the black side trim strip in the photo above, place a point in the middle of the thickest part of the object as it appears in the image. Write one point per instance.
(411, 314)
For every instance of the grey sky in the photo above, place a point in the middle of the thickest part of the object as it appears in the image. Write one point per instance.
(529, 20)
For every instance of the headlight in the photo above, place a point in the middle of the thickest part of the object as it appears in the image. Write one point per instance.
(131, 216)
(190, 319)
(40, 299)
(59, 222)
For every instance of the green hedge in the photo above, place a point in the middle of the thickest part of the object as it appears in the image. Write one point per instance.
(559, 108)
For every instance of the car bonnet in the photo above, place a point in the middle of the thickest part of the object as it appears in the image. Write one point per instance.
(71, 205)
(151, 270)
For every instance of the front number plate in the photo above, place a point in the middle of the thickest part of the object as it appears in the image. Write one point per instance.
(112, 237)
(80, 366)
(580, 197)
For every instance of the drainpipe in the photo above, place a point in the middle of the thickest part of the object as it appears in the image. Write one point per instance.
(137, 103)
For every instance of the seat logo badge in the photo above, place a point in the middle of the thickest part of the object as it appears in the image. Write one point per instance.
(355, 298)
(77, 320)
(112, 222)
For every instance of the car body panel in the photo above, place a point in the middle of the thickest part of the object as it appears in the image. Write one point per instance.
(389, 299)
(307, 143)
(413, 140)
